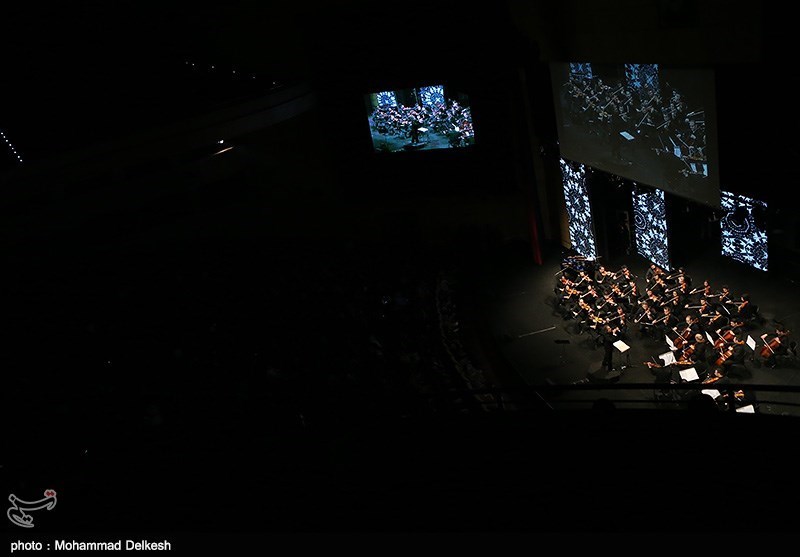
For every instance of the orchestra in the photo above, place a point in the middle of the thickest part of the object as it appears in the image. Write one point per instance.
(707, 328)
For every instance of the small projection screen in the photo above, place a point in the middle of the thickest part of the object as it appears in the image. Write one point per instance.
(419, 119)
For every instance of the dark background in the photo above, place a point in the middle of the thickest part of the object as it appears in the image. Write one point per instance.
(263, 323)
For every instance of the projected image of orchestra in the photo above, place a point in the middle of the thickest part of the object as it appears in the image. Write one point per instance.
(744, 230)
(641, 121)
(422, 118)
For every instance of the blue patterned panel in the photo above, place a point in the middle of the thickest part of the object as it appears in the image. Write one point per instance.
(579, 211)
(387, 98)
(650, 226)
(642, 76)
(580, 69)
(744, 231)
(432, 96)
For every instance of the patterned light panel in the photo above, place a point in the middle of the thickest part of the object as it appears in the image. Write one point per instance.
(579, 211)
(744, 232)
(650, 226)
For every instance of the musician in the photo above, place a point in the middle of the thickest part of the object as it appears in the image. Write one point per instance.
(717, 320)
(683, 288)
(583, 281)
(601, 274)
(774, 347)
(632, 294)
(674, 301)
(704, 312)
(620, 322)
(591, 296)
(607, 302)
(645, 318)
(667, 321)
(746, 310)
(697, 353)
(626, 276)
(652, 273)
(707, 293)
(689, 329)
(725, 297)
(736, 326)
(653, 299)
(680, 276)
(609, 337)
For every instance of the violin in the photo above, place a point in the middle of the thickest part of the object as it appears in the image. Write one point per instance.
(713, 377)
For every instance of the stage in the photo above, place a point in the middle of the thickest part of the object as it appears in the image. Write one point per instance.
(543, 349)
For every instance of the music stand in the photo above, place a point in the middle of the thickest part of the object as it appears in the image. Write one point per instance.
(563, 342)
(624, 349)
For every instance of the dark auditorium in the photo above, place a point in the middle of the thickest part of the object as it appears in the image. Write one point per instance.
(275, 269)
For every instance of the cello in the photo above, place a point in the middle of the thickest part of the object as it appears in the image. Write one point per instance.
(769, 347)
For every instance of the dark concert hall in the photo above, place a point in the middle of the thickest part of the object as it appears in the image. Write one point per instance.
(359, 268)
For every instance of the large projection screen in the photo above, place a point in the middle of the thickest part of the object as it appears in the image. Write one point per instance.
(649, 123)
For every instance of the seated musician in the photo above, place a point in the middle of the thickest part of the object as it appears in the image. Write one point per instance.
(682, 278)
(653, 299)
(707, 293)
(717, 320)
(583, 280)
(652, 273)
(607, 302)
(683, 288)
(631, 294)
(667, 321)
(746, 309)
(774, 345)
(704, 312)
(645, 318)
(591, 296)
(725, 297)
(674, 301)
(688, 329)
(619, 322)
(601, 274)
(626, 276)
(736, 325)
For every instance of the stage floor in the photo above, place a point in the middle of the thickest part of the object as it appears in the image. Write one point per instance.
(518, 303)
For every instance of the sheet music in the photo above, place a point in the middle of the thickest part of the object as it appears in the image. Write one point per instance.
(709, 337)
(621, 346)
(668, 357)
(670, 343)
(689, 374)
(626, 135)
(713, 393)
(749, 409)
(751, 343)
